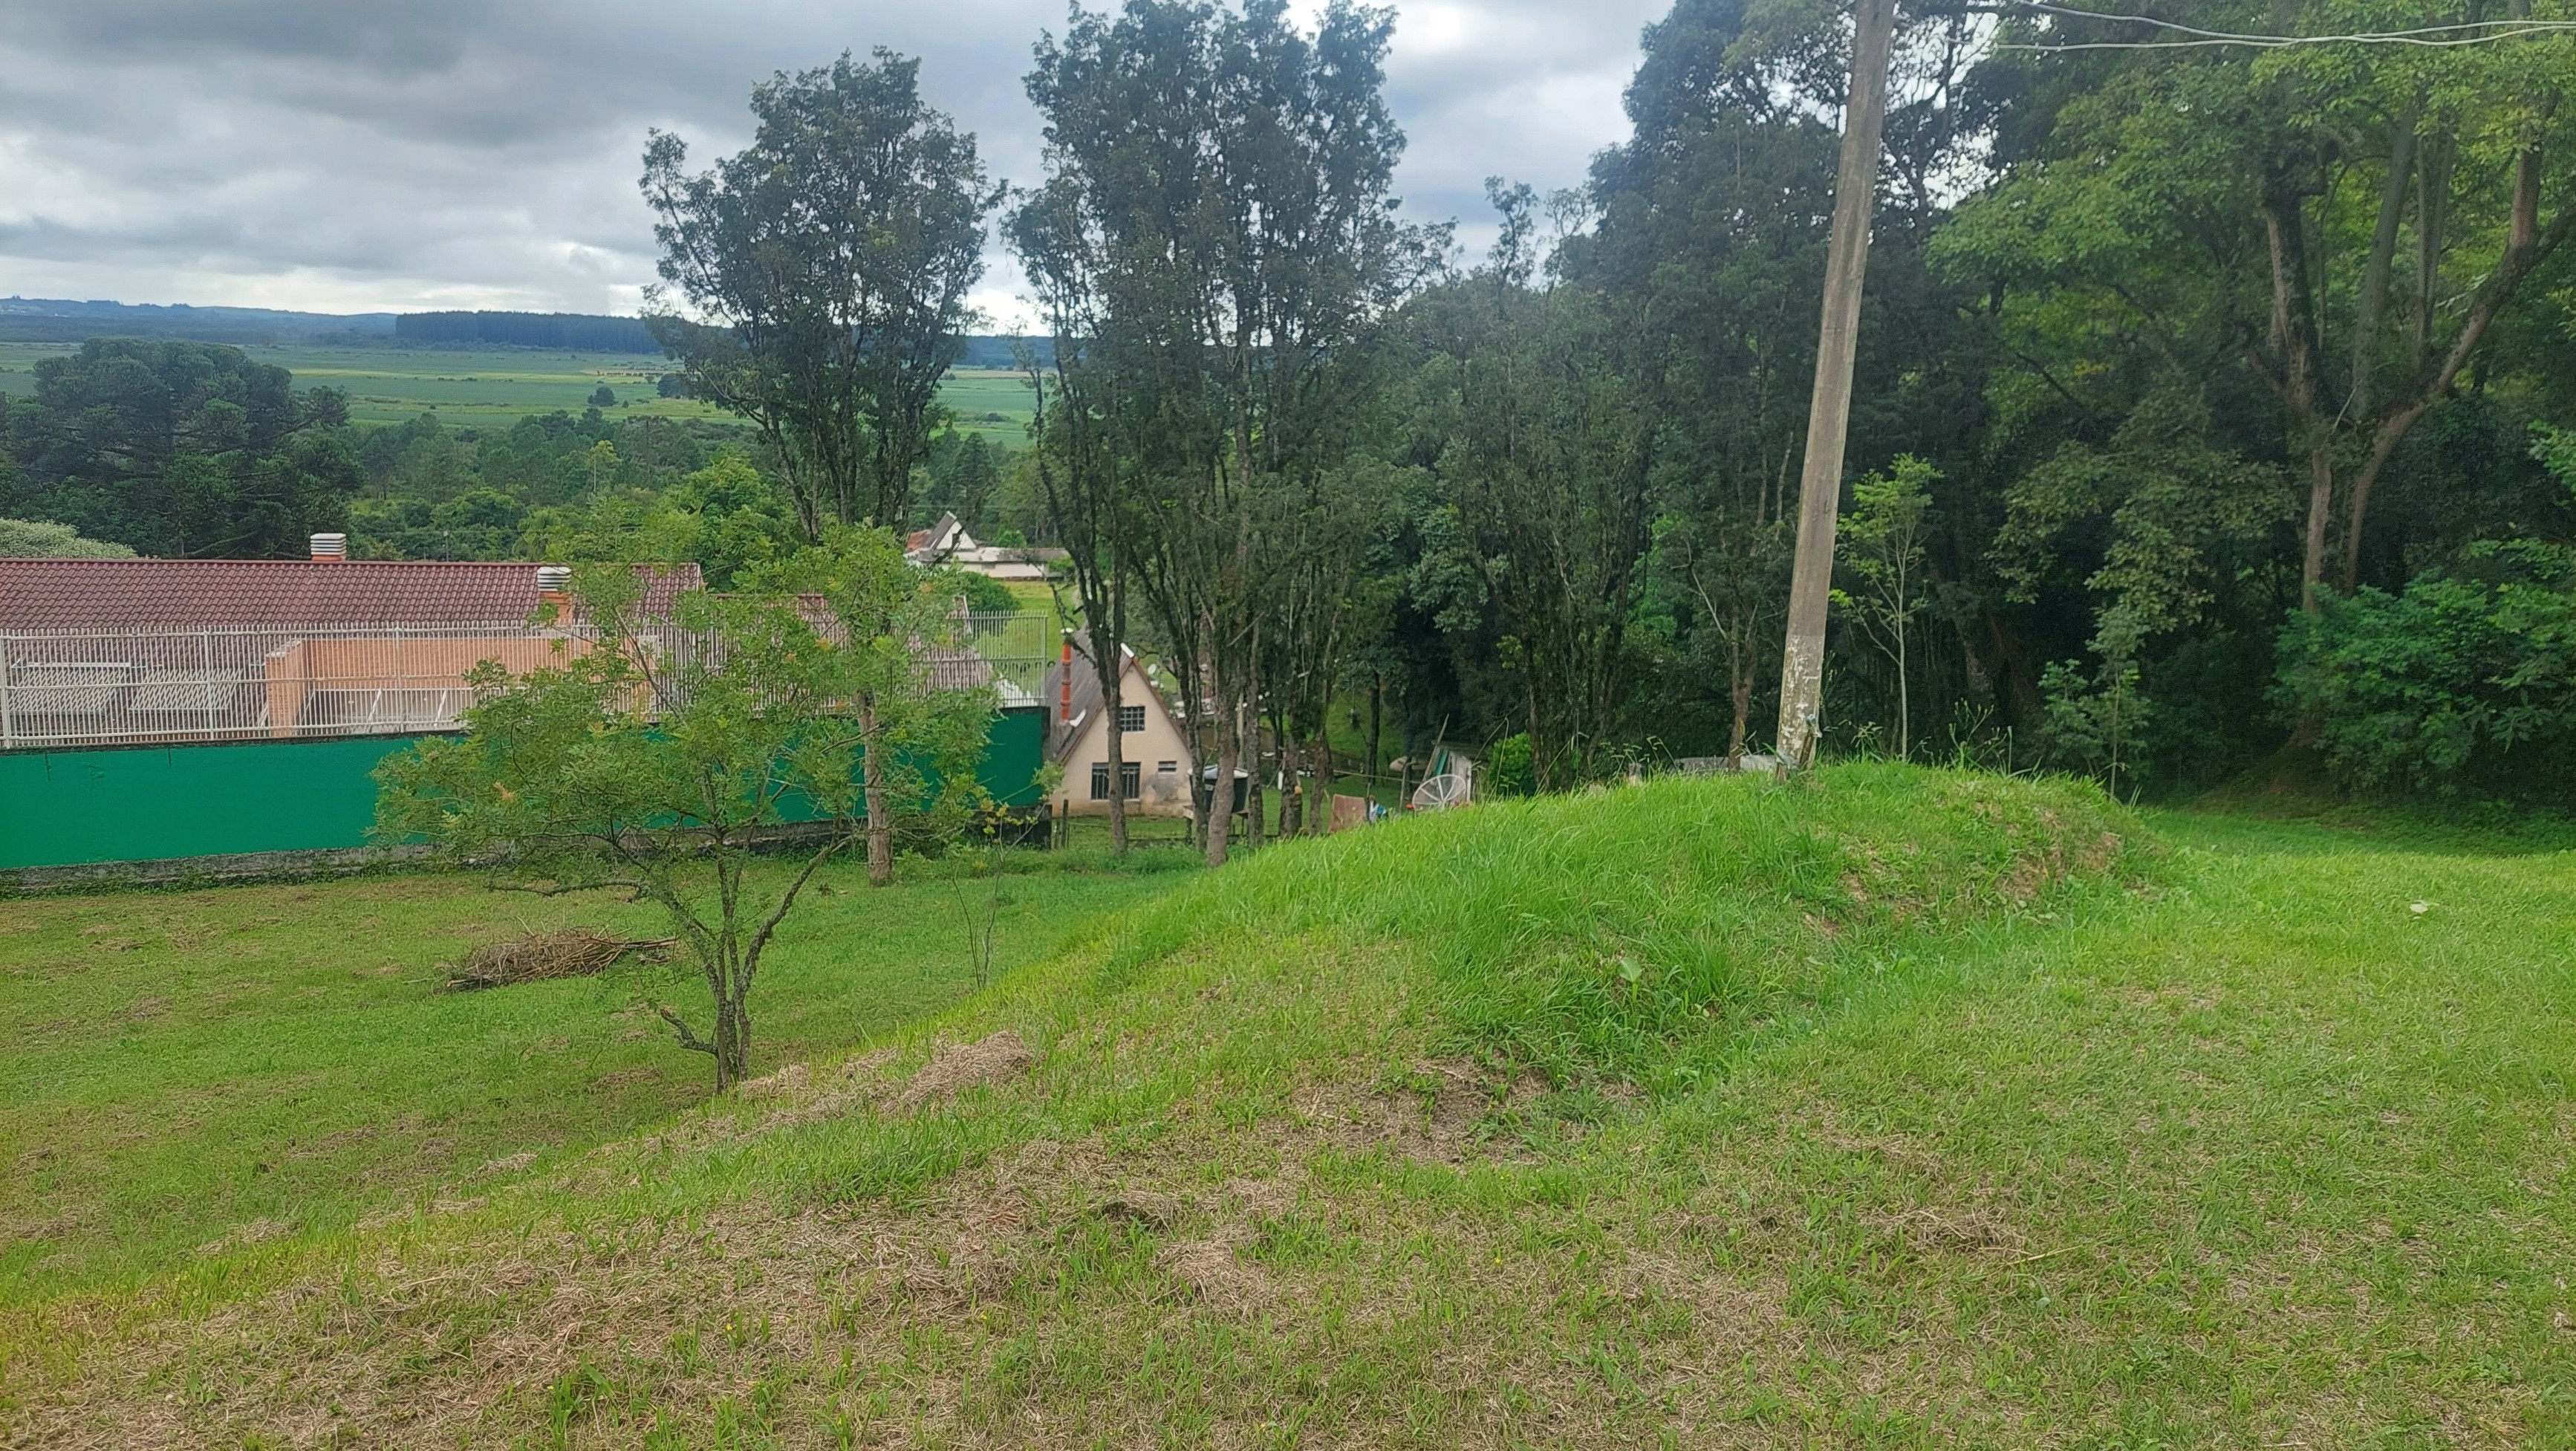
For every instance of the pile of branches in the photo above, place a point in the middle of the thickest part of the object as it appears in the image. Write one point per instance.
(539, 956)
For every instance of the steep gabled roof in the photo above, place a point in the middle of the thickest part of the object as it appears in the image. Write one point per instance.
(107, 596)
(1065, 727)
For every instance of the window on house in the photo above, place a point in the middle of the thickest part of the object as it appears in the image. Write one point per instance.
(1131, 719)
(1131, 780)
(1167, 768)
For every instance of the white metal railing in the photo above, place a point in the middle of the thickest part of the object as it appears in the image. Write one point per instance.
(61, 690)
(65, 689)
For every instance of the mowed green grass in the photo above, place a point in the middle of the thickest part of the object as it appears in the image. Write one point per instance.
(1900, 1109)
(251, 1060)
(493, 388)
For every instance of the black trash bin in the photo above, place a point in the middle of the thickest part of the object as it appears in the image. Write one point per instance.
(1207, 790)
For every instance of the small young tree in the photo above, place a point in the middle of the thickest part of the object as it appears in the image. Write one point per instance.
(660, 757)
(1883, 541)
(914, 693)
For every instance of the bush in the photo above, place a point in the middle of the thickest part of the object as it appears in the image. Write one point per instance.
(42, 539)
(2459, 686)
(984, 594)
(1509, 770)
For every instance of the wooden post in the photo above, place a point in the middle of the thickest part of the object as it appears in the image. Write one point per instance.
(1820, 483)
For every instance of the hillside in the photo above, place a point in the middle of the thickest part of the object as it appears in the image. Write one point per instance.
(1897, 1107)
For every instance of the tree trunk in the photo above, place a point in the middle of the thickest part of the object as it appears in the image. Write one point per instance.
(1113, 689)
(1292, 802)
(2320, 506)
(733, 1041)
(872, 792)
(1220, 807)
(1739, 690)
(1802, 661)
(1904, 699)
(2291, 371)
(1377, 726)
(2432, 197)
(2527, 246)
(1319, 791)
(1256, 805)
(2372, 306)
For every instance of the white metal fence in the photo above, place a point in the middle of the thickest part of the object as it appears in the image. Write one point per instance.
(214, 685)
(60, 690)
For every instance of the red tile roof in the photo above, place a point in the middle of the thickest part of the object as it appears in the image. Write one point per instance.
(106, 595)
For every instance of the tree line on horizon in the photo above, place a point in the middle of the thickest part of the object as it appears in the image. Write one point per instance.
(2210, 401)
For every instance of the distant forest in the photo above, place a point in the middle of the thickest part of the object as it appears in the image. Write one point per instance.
(576, 332)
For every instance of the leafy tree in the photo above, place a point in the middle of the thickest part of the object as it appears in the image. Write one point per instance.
(825, 271)
(479, 523)
(1217, 248)
(603, 396)
(418, 458)
(895, 649)
(180, 449)
(731, 520)
(664, 764)
(2169, 212)
(984, 595)
(964, 471)
(36, 539)
(1882, 546)
(1546, 466)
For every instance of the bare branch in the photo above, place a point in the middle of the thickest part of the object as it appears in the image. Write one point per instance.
(688, 1038)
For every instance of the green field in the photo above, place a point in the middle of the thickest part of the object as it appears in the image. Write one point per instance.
(495, 387)
(1895, 1108)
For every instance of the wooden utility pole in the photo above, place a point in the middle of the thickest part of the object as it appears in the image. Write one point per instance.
(1820, 484)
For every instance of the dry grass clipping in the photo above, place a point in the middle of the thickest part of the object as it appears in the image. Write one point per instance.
(540, 956)
(996, 1059)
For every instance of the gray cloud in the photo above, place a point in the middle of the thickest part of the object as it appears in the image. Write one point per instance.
(415, 153)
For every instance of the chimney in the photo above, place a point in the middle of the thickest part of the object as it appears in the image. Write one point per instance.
(330, 548)
(554, 586)
(1064, 704)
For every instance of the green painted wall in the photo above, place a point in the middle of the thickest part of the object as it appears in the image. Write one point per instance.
(67, 808)
(1010, 766)
(62, 808)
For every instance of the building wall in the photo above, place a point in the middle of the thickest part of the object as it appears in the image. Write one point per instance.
(395, 663)
(1159, 741)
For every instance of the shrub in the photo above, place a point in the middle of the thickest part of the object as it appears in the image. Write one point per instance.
(42, 539)
(2460, 685)
(1509, 770)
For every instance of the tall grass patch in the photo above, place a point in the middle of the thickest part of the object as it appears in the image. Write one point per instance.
(1623, 934)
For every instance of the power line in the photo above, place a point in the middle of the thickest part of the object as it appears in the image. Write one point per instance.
(2432, 37)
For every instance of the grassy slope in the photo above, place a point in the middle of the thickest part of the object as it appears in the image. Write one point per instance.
(191, 1066)
(2230, 1147)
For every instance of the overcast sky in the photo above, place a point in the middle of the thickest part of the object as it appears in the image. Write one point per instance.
(397, 155)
